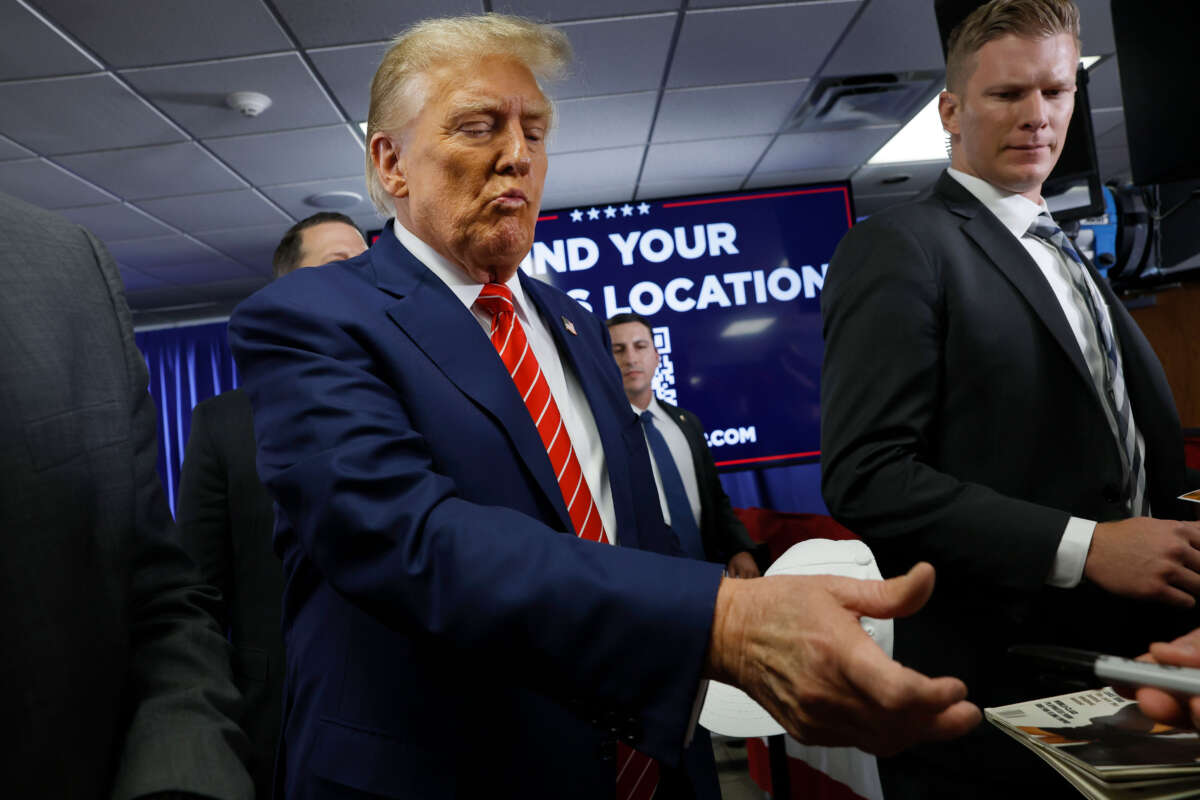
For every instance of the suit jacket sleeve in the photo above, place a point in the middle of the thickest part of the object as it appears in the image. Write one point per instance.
(730, 535)
(881, 398)
(355, 481)
(181, 734)
(203, 511)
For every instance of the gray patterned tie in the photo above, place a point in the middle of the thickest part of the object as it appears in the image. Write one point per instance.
(1108, 365)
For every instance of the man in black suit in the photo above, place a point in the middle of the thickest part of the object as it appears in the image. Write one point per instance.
(693, 502)
(723, 538)
(114, 679)
(989, 406)
(226, 516)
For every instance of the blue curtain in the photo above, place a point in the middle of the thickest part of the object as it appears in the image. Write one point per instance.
(186, 365)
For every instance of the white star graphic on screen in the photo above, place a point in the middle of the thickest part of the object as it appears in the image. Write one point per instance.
(643, 208)
(627, 210)
(577, 216)
(593, 213)
(610, 212)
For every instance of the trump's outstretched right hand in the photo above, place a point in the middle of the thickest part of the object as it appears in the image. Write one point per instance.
(794, 644)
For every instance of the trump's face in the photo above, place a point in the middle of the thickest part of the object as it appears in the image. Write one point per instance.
(472, 163)
(1009, 122)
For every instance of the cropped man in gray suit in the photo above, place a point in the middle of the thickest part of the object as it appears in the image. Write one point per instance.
(114, 680)
(226, 517)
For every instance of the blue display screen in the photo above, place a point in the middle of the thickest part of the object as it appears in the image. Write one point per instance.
(731, 284)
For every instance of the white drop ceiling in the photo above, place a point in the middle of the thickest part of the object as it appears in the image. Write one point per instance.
(112, 113)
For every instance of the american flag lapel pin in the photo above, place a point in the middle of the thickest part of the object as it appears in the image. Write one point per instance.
(570, 326)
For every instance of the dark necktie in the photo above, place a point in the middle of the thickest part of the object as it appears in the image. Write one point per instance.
(682, 520)
(1111, 375)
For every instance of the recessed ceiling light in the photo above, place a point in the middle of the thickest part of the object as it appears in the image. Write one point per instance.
(362, 126)
(1088, 61)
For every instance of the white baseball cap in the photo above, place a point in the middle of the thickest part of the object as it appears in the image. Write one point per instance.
(730, 711)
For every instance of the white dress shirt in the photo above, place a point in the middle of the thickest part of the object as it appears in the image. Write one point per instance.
(1016, 213)
(681, 454)
(564, 385)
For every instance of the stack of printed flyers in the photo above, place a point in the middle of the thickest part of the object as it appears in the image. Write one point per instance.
(1105, 746)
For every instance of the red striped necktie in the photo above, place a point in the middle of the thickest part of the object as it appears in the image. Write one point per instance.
(637, 773)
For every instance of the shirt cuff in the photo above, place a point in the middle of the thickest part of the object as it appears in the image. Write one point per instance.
(1067, 570)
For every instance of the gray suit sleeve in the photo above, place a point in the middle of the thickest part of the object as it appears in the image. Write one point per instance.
(182, 735)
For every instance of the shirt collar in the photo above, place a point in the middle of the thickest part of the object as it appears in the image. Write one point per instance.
(465, 288)
(654, 408)
(1015, 212)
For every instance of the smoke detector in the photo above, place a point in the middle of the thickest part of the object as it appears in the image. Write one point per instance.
(248, 104)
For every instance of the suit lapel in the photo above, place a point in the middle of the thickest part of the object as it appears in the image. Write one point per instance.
(439, 324)
(1012, 260)
(615, 432)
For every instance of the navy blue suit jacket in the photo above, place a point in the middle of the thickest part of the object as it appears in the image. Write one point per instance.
(445, 636)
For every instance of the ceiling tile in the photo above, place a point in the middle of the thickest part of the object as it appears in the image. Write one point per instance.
(10, 150)
(209, 212)
(134, 33)
(43, 184)
(116, 221)
(593, 168)
(756, 44)
(1114, 163)
(1096, 30)
(726, 3)
(1114, 137)
(598, 122)
(616, 56)
(1105, 120)
(714, 158)
(1104, 84)
(892, 36)
(293, 196)
(194, 95)
(795, 151)
(31, 49)
(317, 24)
(148, 255)
(681, 187)
(253, 247)
(870, 180)
(205, 271)
(556, 10)
(721, 111)
(75, 115)
(874, 203)
(292, 156)
(570, 197)
(136, 280)
(765, 180)
(348, 71)
(141, 173)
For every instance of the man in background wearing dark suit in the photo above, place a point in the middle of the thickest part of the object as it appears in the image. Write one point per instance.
(689, 492)
(988, 405)
(709, 531)
(226, 517)
(114, 679)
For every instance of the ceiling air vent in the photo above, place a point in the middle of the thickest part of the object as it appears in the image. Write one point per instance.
(864, 100)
